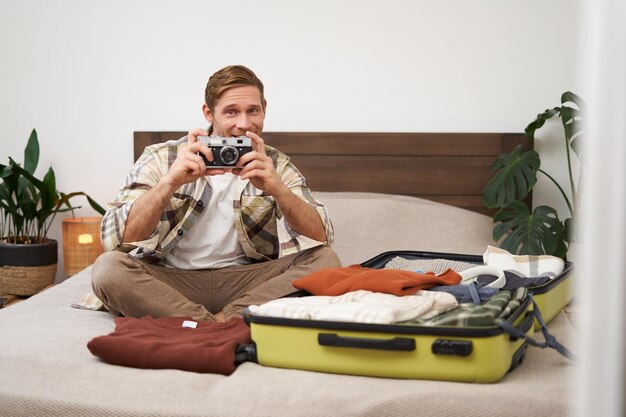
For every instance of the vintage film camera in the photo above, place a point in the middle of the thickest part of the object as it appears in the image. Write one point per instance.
(226, 151)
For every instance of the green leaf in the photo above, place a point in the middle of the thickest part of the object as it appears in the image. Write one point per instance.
(97, 207)
(572, 120)
(569, 234)
(24, 188)
(539, 121)
(4, 194)
(29, 209)
(537, 233)
(49, 195)
(17, 168)
(8, 199)
(564, 238)
(31, 153)
(568, 98)
(66, 197)
(31, 194)
(515, 175)
(570, 230)
(9, 178)
(69, 208)
(5, 171)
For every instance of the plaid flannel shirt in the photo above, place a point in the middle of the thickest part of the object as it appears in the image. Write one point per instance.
(261, 228)
(498, 307)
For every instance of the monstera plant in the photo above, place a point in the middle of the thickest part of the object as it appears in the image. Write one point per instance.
(541, 231)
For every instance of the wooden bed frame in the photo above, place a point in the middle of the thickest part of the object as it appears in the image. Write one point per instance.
(450, 168)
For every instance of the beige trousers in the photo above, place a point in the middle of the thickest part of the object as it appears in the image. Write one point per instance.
(136, 289)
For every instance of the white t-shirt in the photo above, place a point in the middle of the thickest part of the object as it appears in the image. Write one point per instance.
(212, 242)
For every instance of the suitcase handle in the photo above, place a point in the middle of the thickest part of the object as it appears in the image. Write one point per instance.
(397, 343)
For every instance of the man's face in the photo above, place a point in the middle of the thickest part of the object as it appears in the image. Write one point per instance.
(237, 110)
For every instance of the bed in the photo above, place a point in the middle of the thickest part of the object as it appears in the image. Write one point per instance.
(384, 192)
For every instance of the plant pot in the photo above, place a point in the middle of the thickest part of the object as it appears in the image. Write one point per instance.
(27, 269)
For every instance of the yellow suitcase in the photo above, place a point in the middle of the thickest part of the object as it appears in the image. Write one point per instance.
(479, 354)
(482, 354)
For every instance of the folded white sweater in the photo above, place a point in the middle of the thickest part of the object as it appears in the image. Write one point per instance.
(360, 307)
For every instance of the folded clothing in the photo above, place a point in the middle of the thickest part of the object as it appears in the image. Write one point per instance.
(337, 281)
(498, 307)
(514, 281)
(437, 266)
(89, 301)
(172, 343)
(465, 293)
(359, 307)
(525, 265)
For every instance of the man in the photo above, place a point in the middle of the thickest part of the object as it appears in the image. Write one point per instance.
(186, 240)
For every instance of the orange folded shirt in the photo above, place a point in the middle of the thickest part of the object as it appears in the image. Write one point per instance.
(337, 281)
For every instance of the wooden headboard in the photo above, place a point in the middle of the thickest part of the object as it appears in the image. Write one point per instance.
(451, 168)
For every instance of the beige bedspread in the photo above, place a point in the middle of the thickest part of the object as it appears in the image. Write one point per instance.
(46, 369)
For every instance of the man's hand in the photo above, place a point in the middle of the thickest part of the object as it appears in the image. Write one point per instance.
(257, 167)
(189, 166)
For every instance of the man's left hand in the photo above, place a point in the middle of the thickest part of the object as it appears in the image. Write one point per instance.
(257, 167)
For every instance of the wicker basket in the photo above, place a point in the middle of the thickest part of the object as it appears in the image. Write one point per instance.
(26, 269)
(26, 280)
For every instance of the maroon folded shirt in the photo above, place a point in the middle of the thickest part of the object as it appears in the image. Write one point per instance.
(165, 344)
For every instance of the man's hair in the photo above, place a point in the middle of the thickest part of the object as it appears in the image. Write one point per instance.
(229, 77)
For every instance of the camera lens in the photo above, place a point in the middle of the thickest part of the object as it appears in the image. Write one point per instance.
(229, 155)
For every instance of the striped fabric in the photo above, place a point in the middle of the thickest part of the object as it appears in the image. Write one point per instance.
(428, 265)
(261, 228)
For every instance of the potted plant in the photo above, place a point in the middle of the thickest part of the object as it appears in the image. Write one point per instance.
(28, 206)
(516, 228)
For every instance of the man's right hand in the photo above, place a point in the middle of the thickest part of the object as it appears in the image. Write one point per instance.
(189, 166)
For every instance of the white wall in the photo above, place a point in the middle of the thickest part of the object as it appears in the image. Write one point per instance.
(88, 74)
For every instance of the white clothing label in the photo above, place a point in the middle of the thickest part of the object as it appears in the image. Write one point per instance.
(190, 324)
